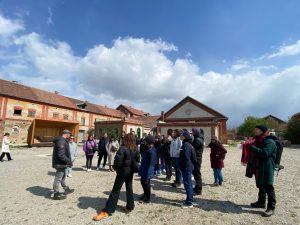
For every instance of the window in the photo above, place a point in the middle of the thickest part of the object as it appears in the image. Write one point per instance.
(66, 116)
(82, 121)
(31, 112)
(17, 111)
(55, 115)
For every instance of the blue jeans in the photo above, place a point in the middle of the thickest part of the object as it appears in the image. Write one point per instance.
(188, 186)
(178, 174)
(218, 175)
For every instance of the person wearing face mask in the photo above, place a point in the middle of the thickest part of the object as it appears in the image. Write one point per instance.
(217, 156)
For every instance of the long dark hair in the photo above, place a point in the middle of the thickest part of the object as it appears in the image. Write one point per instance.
(130, 142)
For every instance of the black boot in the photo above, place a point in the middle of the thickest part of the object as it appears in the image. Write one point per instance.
(68, 191)
(258, 204)
(268, 213)
(59, 196)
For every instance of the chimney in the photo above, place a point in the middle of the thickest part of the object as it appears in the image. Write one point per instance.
(56, 92)
(14, 81)
(162, 116)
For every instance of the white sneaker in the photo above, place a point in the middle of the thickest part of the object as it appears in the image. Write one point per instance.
(97, 169)
(70, 175)
(185, 206)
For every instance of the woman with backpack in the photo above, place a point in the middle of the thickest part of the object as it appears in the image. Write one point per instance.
(89, 147)
(126, 163)
(217, 156)
(112, 149)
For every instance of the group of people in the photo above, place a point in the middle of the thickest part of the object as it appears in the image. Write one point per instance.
(180, 149)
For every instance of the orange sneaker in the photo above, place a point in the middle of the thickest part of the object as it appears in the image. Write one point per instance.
(101, 216)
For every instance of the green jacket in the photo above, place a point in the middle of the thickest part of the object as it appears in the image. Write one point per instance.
(265, 167)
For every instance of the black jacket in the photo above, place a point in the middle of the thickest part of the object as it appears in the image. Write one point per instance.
(125, 160)
(198, 144)
(61, 157)
(186, 156)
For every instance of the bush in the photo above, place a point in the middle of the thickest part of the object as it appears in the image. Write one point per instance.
(248, 126)
(293, 130)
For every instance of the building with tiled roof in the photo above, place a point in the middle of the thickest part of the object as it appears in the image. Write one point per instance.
(131, 112)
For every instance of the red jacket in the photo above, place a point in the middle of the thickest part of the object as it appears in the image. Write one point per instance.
(217, 155)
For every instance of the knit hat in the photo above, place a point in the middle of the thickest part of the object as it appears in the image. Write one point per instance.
(149, 139)
(186, 134)
(263, 128)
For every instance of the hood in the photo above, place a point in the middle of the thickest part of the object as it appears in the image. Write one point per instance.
(198, 132)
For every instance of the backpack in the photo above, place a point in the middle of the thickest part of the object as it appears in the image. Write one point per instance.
(279, 146)
(193, 155)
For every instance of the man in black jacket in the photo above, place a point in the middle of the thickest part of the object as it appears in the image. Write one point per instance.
(198, 144)
(61, 159)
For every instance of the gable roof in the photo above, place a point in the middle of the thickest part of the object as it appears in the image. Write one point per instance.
(275, 118)
(19, 91)
(197, 103)
(132, 110)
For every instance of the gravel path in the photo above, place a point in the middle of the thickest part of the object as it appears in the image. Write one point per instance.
(26, 181)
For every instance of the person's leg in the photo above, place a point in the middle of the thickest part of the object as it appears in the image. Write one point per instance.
(2, 156)
(87, 161)
(91, 161)
(168, 168)
(8, 156)
(129, 193)
(261, 202)
(99, 159)
(112, 201)
(215, 175)
(162, 163)
(197, 175)
(188, 186)
(105, 159)
(177, 171)
(220, 176)
(147, 189)
(59, 174)
(271, 197)
(109, 156)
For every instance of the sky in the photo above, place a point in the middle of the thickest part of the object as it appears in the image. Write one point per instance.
(239, 57)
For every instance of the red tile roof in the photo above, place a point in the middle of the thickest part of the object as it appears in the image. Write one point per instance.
(132, 110)
(19, 91)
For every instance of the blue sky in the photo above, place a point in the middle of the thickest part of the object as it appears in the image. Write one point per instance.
(239, 57)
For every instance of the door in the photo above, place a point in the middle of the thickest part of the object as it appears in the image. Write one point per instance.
(81, 136)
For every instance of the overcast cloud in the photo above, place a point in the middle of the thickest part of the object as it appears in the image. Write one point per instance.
(138, 72)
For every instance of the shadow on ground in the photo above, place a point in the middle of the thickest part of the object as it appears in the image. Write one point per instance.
(40, 191)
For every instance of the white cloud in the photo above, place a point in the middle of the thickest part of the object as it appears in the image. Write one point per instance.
(137, 72)
(9, 27)
(287, 50)
(49, 18)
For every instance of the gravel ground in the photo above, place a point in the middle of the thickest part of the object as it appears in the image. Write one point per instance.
(26, 182)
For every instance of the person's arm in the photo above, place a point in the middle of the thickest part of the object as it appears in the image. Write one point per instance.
(265, 151)
(6, 141)
(118, 161)
(84, 146)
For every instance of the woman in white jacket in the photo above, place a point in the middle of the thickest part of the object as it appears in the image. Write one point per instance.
(112, 148)
(5, 147)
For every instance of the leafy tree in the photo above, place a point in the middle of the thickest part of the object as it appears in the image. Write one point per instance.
(293, 130)
(248, 126)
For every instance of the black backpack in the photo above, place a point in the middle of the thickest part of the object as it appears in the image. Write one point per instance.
(279, 146)
(194, 155)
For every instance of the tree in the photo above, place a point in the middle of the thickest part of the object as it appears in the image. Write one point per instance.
(293, 130)
(248, 126)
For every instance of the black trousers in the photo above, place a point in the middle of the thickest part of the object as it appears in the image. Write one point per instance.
(270, 192)
(112, 201)
(147, 188)
(89, 159)
(197, 175)
(101, 155)
(7, 155)
(168, 163)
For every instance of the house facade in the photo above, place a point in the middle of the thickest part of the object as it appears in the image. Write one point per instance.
(190, 113)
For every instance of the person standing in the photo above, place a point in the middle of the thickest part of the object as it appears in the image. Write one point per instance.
(73, 153)
(217, 156)
(198, 144)
(158, 147)
(174, 152)
(264, 151)
(187, 157)
(112, 148)
(146, 171)
(167, 156)
(89, 148)
(126, 164)
(102, 153)
(5, 148)
(61, 159)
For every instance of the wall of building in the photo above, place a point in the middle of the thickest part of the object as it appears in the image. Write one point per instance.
(189, 110)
